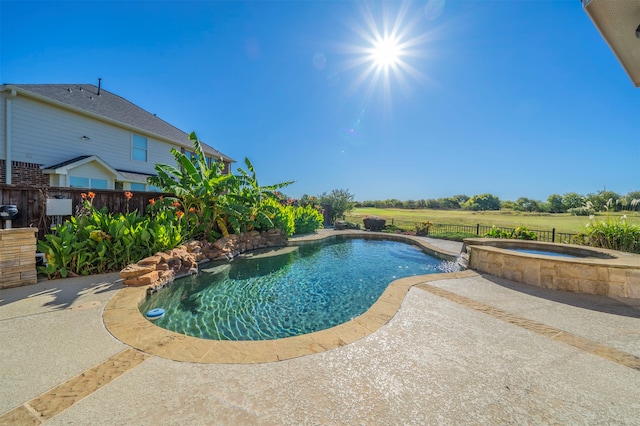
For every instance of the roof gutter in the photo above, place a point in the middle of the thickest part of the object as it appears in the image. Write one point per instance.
(98, 117)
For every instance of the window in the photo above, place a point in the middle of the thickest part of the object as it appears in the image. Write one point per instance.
(99, 183)
(138, 187)
(139, 148)
(84, 182)
(78, 182)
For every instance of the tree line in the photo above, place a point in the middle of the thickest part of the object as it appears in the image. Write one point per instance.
(570, 202)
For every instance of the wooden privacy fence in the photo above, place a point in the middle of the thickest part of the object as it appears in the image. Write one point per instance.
(32, 203)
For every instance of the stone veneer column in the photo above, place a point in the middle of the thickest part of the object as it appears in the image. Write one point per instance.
(18, 257)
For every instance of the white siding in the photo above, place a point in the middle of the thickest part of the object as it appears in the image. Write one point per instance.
(48, 135)
(3, 116)
(92, 169)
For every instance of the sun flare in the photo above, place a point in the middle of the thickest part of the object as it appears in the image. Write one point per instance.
(389, 44)
(386, 52)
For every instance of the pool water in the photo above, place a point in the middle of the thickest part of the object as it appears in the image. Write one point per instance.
(313, 288)
(544, 252)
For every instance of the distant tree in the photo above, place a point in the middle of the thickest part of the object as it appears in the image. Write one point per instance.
(461, 198)
(634, 195)
(555, 204)
(340, 200)
(449, 203)
(631, 201)
(410, 204)
(571, 200)
(507, 205)
(392, 203)
(634, 200)
(483, 202)
(603, 200)
(432, 203)
(527, 205)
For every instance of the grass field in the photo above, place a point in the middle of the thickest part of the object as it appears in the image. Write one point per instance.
(562, 222)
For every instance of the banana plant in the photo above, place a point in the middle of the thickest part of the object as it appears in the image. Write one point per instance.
(200, 189)
(251, 196)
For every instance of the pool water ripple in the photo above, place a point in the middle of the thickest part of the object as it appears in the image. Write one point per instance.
(314, 288)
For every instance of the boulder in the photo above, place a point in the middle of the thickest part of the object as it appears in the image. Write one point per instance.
(374, 223)
(151, 260)
(135, 270)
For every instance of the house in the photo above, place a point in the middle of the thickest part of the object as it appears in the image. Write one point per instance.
(80, 135)
(619, 24)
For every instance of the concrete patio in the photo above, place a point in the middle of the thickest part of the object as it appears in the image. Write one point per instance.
(472, 349)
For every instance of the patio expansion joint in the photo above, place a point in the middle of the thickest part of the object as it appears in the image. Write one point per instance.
(586, 345)
(64, 395)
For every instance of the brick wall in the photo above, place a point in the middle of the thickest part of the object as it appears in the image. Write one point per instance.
(24, 174)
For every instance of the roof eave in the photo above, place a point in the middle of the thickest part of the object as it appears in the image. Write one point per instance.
(617, 22)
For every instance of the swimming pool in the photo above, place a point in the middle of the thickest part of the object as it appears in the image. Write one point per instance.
(311, 288)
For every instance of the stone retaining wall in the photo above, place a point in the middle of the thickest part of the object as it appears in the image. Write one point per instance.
(162, 268)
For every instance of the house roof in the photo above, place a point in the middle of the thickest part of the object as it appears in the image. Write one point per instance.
(68, 162)
(64, 167)
(619, 24)
(84, 159)
(84, 98)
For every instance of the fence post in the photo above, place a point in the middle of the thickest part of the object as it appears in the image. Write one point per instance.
(478, 229)
(553, 235)
(392, 221)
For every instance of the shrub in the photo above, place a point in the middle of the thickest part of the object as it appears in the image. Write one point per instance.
(340, 200)
(614, 234)
(495, 232)
(307, 219)
(97, 241)
(520, 233)
(422, 228)
(281, 217)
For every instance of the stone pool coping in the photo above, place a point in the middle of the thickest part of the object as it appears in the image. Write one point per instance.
(125, 322)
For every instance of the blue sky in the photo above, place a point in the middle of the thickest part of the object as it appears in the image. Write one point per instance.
(514, 98)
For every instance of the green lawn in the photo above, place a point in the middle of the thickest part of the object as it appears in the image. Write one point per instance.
(562, 222)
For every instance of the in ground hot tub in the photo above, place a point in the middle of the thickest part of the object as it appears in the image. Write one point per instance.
(557, 266)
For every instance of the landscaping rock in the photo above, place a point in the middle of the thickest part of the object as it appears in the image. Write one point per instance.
(145, 279)
(374, 223)
(162, 268)
(151, 260)
(135, 270)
